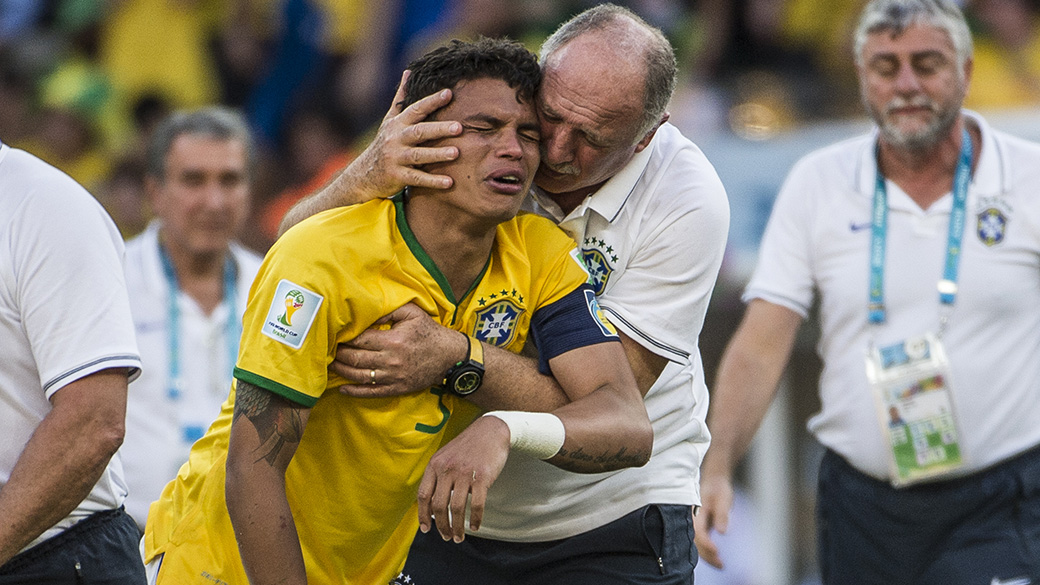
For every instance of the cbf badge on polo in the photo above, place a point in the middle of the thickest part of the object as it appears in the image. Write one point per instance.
(910, 379)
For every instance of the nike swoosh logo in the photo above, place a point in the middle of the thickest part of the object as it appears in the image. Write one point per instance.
(1015, 581)
(858, 226)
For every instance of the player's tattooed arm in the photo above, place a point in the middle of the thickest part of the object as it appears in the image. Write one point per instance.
(278, 422)
(579, 458)
(265, 431)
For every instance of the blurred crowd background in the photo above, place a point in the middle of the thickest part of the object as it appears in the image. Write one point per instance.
(82, 82)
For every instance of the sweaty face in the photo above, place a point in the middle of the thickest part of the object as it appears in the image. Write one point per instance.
(498, 149)
(204, 198)
(912, 85)
(590, 106)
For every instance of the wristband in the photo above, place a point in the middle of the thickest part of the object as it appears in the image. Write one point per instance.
(538, 434)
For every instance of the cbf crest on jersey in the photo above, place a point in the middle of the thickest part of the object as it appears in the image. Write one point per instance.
(991, 226)
(598, 258)
(496, 324)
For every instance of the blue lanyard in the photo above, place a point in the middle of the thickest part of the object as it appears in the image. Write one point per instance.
(879, 229)
(232, 327)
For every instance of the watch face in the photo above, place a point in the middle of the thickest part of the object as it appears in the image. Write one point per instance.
(467, 382)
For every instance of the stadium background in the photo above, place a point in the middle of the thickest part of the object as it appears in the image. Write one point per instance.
(761, 82)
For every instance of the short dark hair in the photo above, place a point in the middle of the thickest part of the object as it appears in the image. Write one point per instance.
(445, 66)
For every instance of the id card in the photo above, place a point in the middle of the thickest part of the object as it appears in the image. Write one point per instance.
(910, 380)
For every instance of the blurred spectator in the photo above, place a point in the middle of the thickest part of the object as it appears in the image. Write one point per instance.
(773, 57)
(188, 282)
(824, 27)
(743, 52)
(410, 19)
(15, 104)
(296, 65)
(162, 47)
(242, 46)
(147, 112)
(18, 18)
(469, 19)
(123, 197)
(363, 47)
(331, 51)
(1007, 54)
(80, 124)
(67, 135)
(316, 150)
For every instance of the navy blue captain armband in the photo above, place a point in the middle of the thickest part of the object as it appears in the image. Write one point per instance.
(571, 322)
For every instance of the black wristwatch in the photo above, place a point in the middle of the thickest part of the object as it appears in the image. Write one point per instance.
(465, 377)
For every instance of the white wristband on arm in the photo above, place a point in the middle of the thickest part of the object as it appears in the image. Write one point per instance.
(538, 434)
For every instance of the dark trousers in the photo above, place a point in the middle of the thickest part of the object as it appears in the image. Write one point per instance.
(653, 544)
(101, 549)
(974, 530)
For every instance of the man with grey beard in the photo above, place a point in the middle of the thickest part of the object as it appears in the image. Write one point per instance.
(921, 242)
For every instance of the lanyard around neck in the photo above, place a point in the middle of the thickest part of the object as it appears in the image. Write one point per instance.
(174, 315)
(879, 230)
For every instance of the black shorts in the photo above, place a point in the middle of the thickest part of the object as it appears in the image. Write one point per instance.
(101, 549)
(975, 530)
(652, 545)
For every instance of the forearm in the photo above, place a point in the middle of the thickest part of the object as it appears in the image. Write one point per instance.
(264, 525)
(265, 433)
(345, 189)
(748, 377)
(606, 425)
(58, 467)
(513, 382)
(605, 430)
(741, 398)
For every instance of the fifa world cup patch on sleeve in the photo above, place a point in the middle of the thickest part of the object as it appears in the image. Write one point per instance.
(605, 326)
(292, 313)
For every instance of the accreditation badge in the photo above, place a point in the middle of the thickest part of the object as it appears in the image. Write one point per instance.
(911, 384)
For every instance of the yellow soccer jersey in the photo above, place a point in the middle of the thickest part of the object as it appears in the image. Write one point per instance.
(357, 469)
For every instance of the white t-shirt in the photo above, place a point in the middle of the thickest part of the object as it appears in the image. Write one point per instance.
(653, 237)
(816, 244)
(162, 425)
(64, 312)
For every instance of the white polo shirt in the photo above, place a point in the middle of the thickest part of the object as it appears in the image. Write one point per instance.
(816, 243)
(161, 422)
(653, 237)
(64, 312)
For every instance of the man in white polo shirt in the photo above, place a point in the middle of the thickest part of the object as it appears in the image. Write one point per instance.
(188, 281)
(68, 350)
(921, 243)
(651, 218)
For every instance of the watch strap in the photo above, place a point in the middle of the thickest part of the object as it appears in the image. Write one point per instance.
(476, 350)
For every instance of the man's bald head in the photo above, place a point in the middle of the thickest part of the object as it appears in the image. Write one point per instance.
(633, 41)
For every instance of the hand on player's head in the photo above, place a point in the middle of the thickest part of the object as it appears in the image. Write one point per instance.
(391, 161)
